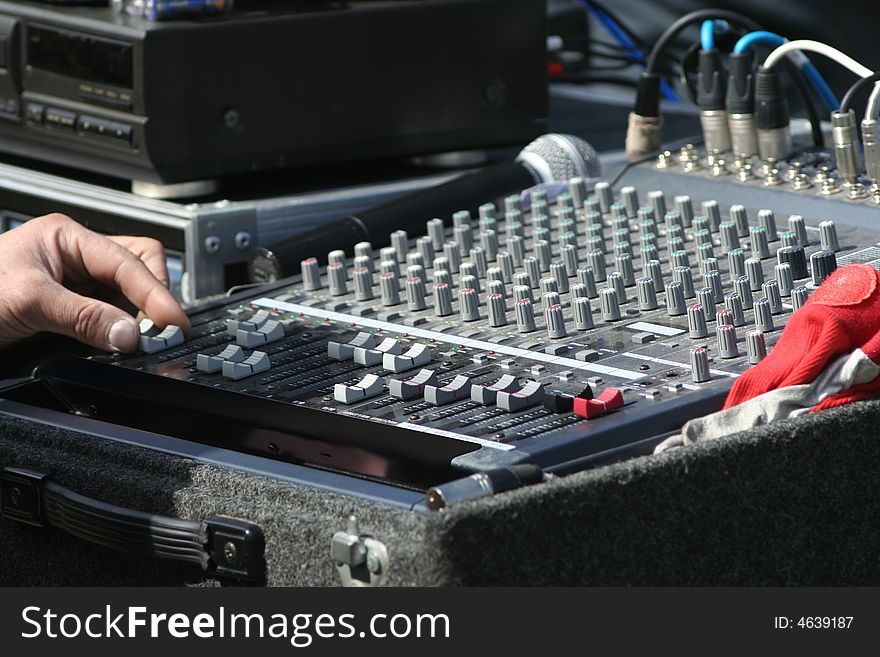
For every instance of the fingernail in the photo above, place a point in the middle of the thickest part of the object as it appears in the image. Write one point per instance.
(123, 335)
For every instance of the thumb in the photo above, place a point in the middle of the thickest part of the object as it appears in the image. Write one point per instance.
(88, 320)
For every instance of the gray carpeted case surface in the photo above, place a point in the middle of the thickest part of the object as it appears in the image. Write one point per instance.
(793, 503)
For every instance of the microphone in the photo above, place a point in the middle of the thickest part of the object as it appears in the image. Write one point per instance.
(549, 158)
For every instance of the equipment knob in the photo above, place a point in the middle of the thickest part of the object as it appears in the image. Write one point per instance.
(785, 279)
(768, 222)
(525, 316)
(336, 277)
(712, 212)
(337, 255)
(734, 304)
(615, 282)
(685, 209)
(468, 304)
(822, 264)
(646, 293)
(697, 322)
(461, 218)
(683, 276)
(467, 280)
(436, 232)
(497, 310)
(740, 217)
(522, 292)
(489, 244)
(770, 290)
(712, 280)
(763, 316)
(828, 236)
(736, 262)
(464, 237)
(625, 269)
(442, 276)
(583, 313)
(705, 250)
(311, 276)
(555, 321)
(727, 347)
(530, 264)
(706, 299)
(417, 271)
(756, 346)
(496, 287)
(743, 290)
(425, 247)
(516, 249)
(390, 265)
(415, 293)
(389, 289)
(588, 280)
(548, 285)
(603, 192)
(543, 254)
(793, 256)
(646, 219)
(674, 222)
(452, 252)
(755, 273)
(680, 259)
(656, 273)
(760, 245)
(729, 236)
(630, 198)
(596, 260)
(478, 258)
(415, 258)
(400, 242)
(608, 301)
(570, 259)
(724, 316)
(504, 263)
(363, 284)
(700, 365)
(675, 303)
(788, 238)
(797, 226)
(442, 300)
(798, 297)
(364, 250)
(657, 202)
(560, 275)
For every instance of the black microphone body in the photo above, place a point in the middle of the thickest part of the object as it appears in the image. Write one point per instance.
(375, 224)
(547, 159)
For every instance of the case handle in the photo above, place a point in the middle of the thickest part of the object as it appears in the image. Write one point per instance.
(224, 547)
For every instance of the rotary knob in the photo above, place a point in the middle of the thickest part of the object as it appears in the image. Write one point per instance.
(442, 299)
(337, 279)
(675, 302)
(736, 262)
(311, 276)
(555, 321)
(784, 278)
(610, 305)
(400, 243)
(583, 313)
(389, 288)
(733, 303)
(755, 274)
(696, 317)
(646, 293)
(760, 244)
(706, 299)
(822, 264)
(700, 365)
(415, 293)
(363, 284)
(798, 297)
(828, 236)
(795, 258)
(727, 347)
(743, 291)
(763, 316)
(756, 346)
(497, 310)
(767, 221)
(525, 316)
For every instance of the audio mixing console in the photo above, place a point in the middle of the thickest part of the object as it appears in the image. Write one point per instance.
(544, 330)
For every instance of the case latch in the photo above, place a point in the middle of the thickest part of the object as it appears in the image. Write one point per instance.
(360, 559)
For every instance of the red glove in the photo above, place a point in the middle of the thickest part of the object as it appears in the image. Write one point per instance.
(843, 314)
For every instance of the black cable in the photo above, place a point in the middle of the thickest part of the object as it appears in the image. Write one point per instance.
(799, 82)
(601, 6)
(855, 89)
(685, 21)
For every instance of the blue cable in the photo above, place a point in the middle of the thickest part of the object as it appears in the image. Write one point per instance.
(631, 48)
(707, 35)
(805, 64)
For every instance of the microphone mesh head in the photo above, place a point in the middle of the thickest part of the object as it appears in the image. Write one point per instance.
(561, 157)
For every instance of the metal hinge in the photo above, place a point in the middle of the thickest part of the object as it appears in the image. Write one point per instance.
(360, 559)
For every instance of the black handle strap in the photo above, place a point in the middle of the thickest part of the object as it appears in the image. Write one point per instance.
(221, 546)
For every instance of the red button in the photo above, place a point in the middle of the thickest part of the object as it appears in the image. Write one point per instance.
(610, 400)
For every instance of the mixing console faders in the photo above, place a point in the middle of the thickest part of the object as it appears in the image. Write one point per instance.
(542, 330)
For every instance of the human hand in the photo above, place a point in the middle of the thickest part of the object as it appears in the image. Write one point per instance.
(58, 276)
